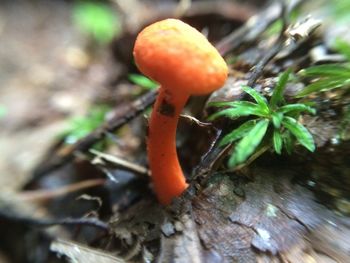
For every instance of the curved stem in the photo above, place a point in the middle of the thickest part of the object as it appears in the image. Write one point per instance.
(167, 176)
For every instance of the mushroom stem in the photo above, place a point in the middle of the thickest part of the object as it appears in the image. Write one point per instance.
(167, 175)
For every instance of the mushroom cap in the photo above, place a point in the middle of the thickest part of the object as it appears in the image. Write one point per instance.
(179, 57)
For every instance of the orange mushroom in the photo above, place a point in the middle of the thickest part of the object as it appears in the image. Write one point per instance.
(183, 61)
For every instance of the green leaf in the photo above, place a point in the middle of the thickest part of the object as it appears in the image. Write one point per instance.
(274, 28)
(343, 47)
(142, 81)
(245, 109)
(330, 70)
(277, 119)
(323, 84)
(340, 11)
(277, 95)
(297, 107)
(288, 142)
(261, 100)
(3, 111)
(238, 133)
(80, 126)
(249, 143)
(277, 141)
(277, 26)
(300, 132)
(96, 19)
(232, 103)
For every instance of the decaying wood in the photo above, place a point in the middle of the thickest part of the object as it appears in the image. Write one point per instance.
(233, 219)
(270, 215)
(183, 247)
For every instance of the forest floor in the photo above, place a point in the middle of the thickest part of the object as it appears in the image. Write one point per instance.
(73, 154)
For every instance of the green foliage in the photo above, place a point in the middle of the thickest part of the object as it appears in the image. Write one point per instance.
(342, 46)
(3, 111)
(300, 132)
(96, 19)
(238, 133)
(79, 127)
(247, 145)
(277, 96)
(277, 141)
(261, 100)
(326, 77)
(276, 27)
(238, 109)
(340, 10)
(142, 81)
(274, 117)
(329, 76)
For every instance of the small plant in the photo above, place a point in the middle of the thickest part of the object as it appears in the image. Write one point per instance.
(277, 26)
(329, 76)
(274, 117)
(79, 127)
(143, 81)
(97, 20)
(339, 11)
(3, 111)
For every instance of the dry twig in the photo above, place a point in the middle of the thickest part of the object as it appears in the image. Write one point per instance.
(44, 195)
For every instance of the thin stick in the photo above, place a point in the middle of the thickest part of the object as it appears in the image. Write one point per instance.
(39, 222)
(271, 53)
(44, 195)
(121, 163)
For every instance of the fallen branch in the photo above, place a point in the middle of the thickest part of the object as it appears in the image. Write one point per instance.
(253, 28)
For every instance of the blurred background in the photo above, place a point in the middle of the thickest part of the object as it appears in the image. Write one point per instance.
(66, 68)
